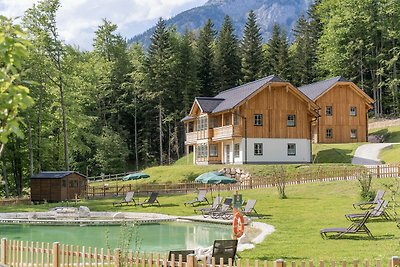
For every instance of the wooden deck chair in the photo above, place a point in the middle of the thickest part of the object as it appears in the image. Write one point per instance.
(127, 200)
(201, 197)
(378, 212)
(176, 254)
(358, 227)
(151, 201)
(370, 204)
(216, 203)
(215, 213)
(224, 249)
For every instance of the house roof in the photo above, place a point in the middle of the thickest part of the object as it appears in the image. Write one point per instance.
(53, 174)
(314, 90)
(208, 104)
(228, 99)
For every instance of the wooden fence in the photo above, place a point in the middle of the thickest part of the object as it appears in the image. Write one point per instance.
(300, 177)
(17, 253)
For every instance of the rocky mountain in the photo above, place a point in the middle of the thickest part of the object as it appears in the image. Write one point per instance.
(269, 12)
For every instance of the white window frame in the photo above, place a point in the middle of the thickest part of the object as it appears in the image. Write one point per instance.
(236, 150)
(353, 133)
(353, 111)
(213, 150)
(291, 120)
(258, 149)
(258, 119)
(291, 149)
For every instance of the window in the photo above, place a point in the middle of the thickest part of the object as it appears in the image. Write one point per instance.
(328, 111)
(236, 150)
(291, 120)
(353, 111)
(202, 124)
(353, 133)
(213, 150)
(202, 151)
(190, 127)
(258, 149)
(329, 133)
(291, 149)
(258, 119)
(236, 119)
(227, 119)
(213, 122)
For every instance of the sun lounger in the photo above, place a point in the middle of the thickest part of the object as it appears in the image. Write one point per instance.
(225, 250)
(219, 210)
(358, 227)
(201, 197)
(127, 200)
(370, 204)
(151, 201)
(176, 254)
(216, 203)
(248, 210)
(378, 212)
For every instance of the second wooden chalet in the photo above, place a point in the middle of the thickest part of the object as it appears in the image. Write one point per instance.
(265, 121)
(344, 111)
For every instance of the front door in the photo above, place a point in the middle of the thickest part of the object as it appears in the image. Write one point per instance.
(227, 154)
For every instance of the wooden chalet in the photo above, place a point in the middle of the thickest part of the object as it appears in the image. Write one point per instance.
(344, 111)
(268, 120)
(54, 186)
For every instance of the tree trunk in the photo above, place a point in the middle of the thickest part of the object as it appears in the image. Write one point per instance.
(63, 112)
(39, 130)
(161, 132)
(136, 139)
(4, 167)
(30, 146)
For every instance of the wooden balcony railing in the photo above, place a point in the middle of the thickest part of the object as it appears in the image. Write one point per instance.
(191, 138)
(226, 132)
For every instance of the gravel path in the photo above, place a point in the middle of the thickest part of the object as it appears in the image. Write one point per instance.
(369, 154)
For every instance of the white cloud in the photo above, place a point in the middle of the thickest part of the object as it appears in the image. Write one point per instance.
(78, 19)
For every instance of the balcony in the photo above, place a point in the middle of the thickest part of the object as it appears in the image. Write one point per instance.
(191, 138)
(227, 132)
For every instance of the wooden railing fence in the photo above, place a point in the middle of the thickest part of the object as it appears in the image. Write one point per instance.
(300, 177)
(34, 254)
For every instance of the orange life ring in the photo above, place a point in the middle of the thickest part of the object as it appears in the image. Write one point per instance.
(238, 224)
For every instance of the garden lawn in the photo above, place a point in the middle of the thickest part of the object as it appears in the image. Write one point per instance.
(390, 134)
(334, 153)
(390, 154)
(298, 219)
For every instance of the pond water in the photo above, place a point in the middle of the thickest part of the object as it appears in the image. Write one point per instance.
(160, 237)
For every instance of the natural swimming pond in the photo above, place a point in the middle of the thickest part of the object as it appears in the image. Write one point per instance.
(160, 237)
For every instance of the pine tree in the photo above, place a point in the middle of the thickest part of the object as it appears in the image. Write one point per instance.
(159, 75)
(252, 54)
(278, 54)
(227, 58)
(205, 54)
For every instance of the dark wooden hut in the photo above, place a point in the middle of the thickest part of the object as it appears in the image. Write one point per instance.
(54, 186)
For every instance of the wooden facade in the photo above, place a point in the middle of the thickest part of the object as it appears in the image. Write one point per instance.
(262, 115)
(57, 186)
(343, 115)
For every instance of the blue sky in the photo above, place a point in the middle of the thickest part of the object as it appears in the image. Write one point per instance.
(77, 20)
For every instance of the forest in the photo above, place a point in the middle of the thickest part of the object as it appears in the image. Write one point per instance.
(118, 107)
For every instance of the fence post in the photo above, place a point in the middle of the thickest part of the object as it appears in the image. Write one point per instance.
(56, 254)
(117, 257)
(3, 259)
(395, 261)
(280, 263)
(191, 261)
(378, 171)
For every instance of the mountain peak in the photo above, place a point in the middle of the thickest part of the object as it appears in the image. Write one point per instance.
(268, 12)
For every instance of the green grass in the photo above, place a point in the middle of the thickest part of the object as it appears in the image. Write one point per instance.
(390, 134)
(390, 154)
(185, 160)
(297, 220)
(334, 153)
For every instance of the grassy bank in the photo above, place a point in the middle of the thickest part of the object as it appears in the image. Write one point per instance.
(389, 134)
(297, 220)
(334, 153)
(390, 155)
